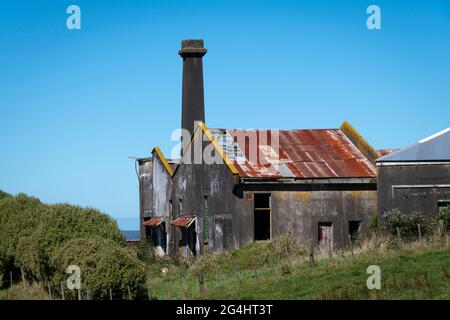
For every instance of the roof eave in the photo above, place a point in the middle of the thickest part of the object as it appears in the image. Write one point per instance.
(350, 180)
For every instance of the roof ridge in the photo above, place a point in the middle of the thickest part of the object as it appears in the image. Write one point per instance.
(434, 136)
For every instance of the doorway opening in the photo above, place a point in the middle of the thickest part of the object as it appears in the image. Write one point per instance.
(262, 217)
(354, 228)
(325, 235)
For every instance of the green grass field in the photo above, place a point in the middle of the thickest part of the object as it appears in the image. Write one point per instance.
(282, 270)
(261, 272)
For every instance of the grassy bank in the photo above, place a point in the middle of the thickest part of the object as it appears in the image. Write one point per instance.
(20, 292)
(419, 270)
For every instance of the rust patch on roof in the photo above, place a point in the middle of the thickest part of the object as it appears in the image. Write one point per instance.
(183, 222)
(299, 154)
(154, 222)
(385, 152)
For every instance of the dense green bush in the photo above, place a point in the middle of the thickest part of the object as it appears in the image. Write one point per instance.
(4, 194)
(373, 222)
(104, 265)
(444, 214)
(43, 240)
(406, 223)
(19, 218)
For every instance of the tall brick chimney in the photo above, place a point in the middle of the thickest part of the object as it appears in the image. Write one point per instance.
(193, 105)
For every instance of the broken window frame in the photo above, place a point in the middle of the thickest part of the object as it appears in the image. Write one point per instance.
(442, 204)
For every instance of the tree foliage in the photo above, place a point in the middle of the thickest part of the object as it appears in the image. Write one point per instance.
(44, 240)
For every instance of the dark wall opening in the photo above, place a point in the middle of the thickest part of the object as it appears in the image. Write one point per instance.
(354, 228)
(188, 240)
(443, 204)
(262, 217)
(158, 236)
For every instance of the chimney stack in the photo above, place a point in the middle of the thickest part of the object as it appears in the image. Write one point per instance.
(193, 105)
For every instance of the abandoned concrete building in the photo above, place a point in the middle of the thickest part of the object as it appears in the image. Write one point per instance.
(416, 178)
(319, 185)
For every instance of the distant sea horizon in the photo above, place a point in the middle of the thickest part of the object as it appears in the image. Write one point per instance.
(127, 223)
(131, 234)
(129, 227)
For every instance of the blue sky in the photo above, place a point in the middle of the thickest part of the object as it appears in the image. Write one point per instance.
(75, 104)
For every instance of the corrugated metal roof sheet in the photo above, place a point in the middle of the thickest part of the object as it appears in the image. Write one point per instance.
(154, 221)
(304, 154)
(182, 222)
(432, 148)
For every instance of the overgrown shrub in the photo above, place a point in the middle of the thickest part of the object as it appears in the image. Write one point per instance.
(145, 251)
(444, 214)
(104, 265)
(19, 218)
(373, 222)
(4, 194)
(407, 223)
(43, 240)
(282, 247)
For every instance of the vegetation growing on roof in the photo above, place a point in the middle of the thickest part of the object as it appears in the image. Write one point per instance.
(360, 143)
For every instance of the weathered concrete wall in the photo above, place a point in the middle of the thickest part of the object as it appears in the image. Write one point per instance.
(197, 187)
(231, 207)
(413, 198)
(162, 190)
(300, 212)
(155, 194)
(145, 192)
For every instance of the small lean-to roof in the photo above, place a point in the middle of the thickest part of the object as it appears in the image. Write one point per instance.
(183, 221)
(433, 148)
(154, 221)
(299, 154)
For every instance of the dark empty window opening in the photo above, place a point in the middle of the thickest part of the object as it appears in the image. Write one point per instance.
(443, 205)
(262, 216)
(354, 228)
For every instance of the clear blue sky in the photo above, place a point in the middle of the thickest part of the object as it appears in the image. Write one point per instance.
(75, 104)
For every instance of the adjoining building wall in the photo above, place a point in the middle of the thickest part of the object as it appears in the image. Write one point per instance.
(162, 190)
(155, 190)
(413, 188)
(145, 171)
(205, 191)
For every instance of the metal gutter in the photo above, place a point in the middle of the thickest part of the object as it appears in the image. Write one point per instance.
(415, 163)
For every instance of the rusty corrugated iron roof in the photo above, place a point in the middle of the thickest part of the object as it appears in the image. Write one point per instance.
(183, 222)
(154, 221)
(385, 152)
(302, 154)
